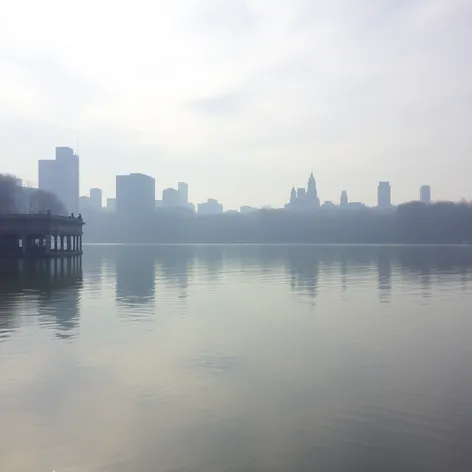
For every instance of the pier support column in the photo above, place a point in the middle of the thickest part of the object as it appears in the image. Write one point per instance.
(24, 244)
(47, 244)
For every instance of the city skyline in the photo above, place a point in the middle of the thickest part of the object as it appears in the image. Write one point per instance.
(111, 194)
(256, 92)
(136, 192)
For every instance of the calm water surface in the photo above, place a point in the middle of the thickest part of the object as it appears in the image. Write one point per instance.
(217, 358)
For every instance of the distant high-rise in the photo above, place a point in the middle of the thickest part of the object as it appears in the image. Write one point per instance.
(211, 207)
(135, 194)
(344, 200)
(293, 196)
(61, 177)
(111, 205)
(171, 197)
(384, 195)
(183, 193)
(312, 199)
(425, 194)
(304, 200)
(96, 197)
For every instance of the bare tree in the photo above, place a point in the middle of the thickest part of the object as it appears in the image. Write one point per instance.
(42, 202)
(8, 193)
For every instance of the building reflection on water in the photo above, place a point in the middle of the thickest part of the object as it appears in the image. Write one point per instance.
(46, 288)
(135, 276)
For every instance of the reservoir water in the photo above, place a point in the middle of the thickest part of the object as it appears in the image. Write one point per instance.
(238, 358)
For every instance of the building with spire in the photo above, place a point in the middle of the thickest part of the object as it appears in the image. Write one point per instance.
(344, 200)
(304, 200)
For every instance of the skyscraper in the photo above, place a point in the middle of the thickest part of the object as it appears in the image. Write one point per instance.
(111, 205)
(304, 200)
(425, 194)
(183, 193)
(344, 200)
(171, 197)
(135, 194)
(384, 195)
(312, 193)
(61, 177)
(96, 197)
(210, 207)
(293, 197)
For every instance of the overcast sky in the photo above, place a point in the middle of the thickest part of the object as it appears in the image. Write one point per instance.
(243, 98)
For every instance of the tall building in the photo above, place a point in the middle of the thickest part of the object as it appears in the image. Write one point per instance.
(384, 200)
(171, 197)
(183, 193)
(96, 197)
(293, 196)
(425, 194)
(304, 200)
(111, 205)
(344, 200)
(211, 207)
(312, 193)
(61, 177)
(135, 194)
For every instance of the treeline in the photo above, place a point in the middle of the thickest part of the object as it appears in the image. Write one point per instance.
(14, 198)
(447, 223)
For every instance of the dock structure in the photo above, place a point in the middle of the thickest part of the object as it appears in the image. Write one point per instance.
(30, 236)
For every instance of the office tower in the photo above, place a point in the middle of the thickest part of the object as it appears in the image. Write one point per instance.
(384, 195)
(183, 191)
(344, 200)
(61, 177)
(171, 197)
(425, 194)
(111, 205)
(312, 200)
(135, 194)
(304, 200)
(210, 207)
(96, 197)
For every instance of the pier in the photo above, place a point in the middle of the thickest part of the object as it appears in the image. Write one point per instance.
(35, 236)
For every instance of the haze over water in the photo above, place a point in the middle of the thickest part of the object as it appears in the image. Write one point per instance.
(239, 358)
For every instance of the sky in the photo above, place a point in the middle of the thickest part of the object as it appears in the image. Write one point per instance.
(242, 99)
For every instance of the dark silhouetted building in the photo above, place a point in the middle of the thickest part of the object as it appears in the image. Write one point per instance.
(425, 194)
(61, 177)
(344, 200)
(211, 207)
(135, 194)
(384, 195)
(96, 197)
